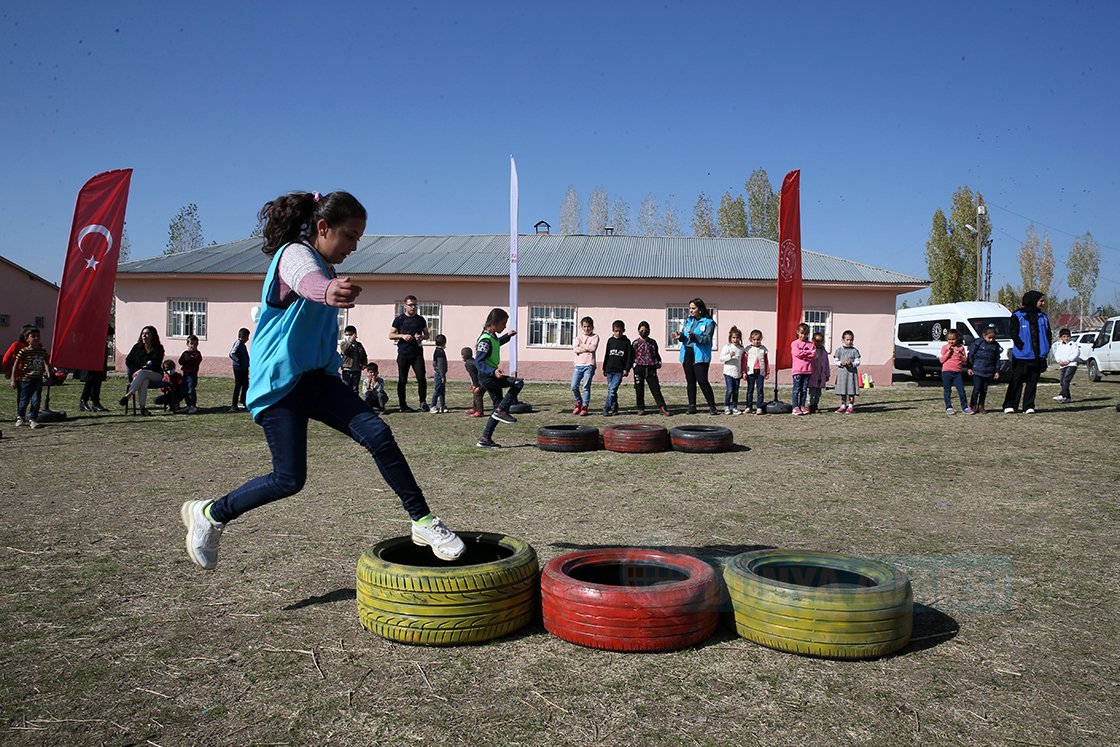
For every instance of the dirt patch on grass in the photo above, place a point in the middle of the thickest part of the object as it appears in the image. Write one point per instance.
(1007, 525)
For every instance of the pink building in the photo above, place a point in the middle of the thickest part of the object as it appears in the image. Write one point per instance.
(27, 299)
(213, 291)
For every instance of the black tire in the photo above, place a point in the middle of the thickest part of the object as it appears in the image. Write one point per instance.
(636, 439)
(1094, 370)
(702, 439)
(405, 594)
(820, 604)
(917, 369)
(568, 438)
(520, 408)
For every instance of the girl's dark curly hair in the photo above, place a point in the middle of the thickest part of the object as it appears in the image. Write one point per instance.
(293, 216)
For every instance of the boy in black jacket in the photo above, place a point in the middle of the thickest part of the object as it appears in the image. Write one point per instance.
(618, 359)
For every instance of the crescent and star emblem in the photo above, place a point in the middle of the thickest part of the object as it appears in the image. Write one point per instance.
(92, 261)
(787, 260)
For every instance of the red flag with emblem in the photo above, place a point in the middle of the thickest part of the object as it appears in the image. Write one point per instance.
(86, 292)
(789, 268)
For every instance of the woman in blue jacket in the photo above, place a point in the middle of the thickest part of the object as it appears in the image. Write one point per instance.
(696, 353)
(1030, 338)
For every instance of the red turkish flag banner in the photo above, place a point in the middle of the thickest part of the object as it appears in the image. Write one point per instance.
(86, 292)
(789, 268)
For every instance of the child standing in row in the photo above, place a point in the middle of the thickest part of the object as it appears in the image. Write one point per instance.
(1068, 354)
(487, 356)
(585, 347)
(983, 366)
(803, 353)
(30, 368)
(439, 373)
(477, 409)
(307, 234)
(847, 372)
(617, 360)
(757, 368)
(354, 357)
(732, 358)
(647, 359)
(818, 379)
(954, 359)
(239, 354)
(373, 389)
(189, 363)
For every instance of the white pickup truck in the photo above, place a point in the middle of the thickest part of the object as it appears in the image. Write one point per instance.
(1104, 358)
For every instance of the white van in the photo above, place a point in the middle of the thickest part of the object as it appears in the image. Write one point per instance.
(920, 332)
(1104, 358)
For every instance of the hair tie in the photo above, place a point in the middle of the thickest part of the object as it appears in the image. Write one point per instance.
(315, 196)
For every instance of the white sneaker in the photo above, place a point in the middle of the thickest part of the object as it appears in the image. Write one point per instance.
(950, 411)
(1059, 398)
(727, 411)
(1029, 411)
(19, 422)
(33, 423)
(203, 535)
(1009, 411)
(444, 543)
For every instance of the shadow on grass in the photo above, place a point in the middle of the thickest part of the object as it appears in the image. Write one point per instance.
(338, 595)
(932, 627)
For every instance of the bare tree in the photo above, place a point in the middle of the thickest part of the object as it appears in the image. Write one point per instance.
(1046, 265)
(703, 221)
(1029, 260)
(647, 216)
(1084, 264)
(670, 220)
(620, 215)
(598, 212)
(571, 214)
(762, 206)
(185, 231)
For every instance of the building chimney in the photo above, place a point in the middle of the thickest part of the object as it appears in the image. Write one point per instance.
(543, 227)
(608, 230)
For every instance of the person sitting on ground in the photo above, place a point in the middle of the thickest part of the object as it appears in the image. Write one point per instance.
(373, 389)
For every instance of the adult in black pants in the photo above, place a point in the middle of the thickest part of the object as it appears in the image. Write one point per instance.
(1030, 343)
(695, 338)
(409, 330)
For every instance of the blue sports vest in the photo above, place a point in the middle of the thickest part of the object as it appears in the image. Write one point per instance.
(702, 346)
(290, 340)
(1026, 352)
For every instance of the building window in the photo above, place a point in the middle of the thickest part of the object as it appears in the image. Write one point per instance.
(40, 322)
(675, 317)
(820, 321)
(552, 326)
(186, 317)
(431, 311)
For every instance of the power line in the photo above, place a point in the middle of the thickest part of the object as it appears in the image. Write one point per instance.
(1045, 225)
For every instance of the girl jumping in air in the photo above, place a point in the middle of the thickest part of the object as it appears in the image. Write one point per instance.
(295, 373)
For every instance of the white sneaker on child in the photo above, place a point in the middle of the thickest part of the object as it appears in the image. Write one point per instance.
(203, 535)
(444, 543)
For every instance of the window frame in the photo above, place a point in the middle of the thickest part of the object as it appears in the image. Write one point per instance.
(552, 320)
(188, 313)
(813, 325)
(437, 315)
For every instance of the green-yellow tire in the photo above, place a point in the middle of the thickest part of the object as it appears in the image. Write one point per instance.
(406, 595)
(820, 604)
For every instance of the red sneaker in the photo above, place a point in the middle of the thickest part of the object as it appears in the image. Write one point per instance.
(582, 410)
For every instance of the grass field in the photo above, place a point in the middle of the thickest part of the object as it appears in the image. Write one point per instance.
(1008, 526)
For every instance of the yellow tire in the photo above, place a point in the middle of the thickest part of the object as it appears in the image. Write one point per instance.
(406, 594)
(820, 604)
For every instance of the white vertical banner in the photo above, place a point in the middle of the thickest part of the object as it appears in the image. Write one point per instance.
(513, 263)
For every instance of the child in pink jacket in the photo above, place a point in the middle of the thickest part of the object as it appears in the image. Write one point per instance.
(586, 343)
(804, 352)
(954, 360)
(818, 378)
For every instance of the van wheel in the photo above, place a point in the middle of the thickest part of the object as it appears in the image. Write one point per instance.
(917, 370)
(1094, 370)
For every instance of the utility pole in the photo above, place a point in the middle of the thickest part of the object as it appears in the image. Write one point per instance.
(981, 210)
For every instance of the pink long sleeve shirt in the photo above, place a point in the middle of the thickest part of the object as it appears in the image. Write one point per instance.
(803, 355)
(953, 359)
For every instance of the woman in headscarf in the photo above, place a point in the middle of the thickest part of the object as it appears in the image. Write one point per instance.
(1031, 337)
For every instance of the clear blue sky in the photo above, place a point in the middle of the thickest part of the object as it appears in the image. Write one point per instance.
(885, 107)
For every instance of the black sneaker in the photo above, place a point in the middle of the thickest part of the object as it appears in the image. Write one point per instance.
(503, 417)
(487, 443)
(406, 408)
(424, 407)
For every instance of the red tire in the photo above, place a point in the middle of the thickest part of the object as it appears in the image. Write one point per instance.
(702, 439)
(636, 439)
(568, 438)
(629, 599)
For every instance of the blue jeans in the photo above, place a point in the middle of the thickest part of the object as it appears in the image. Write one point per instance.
(29, 392)
(800, 389)
(494, 387)
(326, 398)
(190, 384)
(614, 381)
(979, 390)
(581, 380)
(950, 379)
(756, 382)
(731, 392)
(439, 390)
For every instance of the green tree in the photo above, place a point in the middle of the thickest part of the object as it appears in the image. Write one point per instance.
(598, 212)
(1046, 265)
(620, 216)
(762, 206)
(571, 213)
(703, 221)
(732, 216)
(647, 216)
(1007, 296)
(942, 262)
(185, 231)
(1084, 264)
(951, 249)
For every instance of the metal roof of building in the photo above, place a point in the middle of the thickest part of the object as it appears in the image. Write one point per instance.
(542, 256)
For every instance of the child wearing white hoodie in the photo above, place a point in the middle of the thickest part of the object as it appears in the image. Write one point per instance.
(1068, 354)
